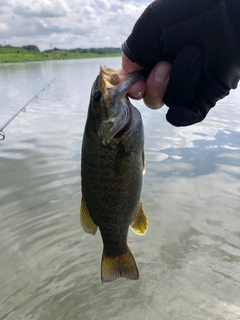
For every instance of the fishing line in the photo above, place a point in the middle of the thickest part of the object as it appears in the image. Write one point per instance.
(23, 109)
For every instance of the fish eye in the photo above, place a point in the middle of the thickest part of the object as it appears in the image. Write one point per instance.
(97, 95)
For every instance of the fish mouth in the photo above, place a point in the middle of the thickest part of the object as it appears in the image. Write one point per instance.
(117, 111)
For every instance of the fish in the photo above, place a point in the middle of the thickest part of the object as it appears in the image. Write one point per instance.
(112, 168)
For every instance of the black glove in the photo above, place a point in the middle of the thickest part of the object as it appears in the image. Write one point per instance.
(201, 39)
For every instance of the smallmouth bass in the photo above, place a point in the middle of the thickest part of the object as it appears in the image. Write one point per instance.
(112, 167)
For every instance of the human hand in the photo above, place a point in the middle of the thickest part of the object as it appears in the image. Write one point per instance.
(200, 43)
(153, 88)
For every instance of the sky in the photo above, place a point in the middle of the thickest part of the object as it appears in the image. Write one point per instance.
(68, 23)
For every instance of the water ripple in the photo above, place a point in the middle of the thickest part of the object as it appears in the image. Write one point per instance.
(50, 269)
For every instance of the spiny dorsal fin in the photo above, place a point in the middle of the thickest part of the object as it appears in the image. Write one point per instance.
(143, 162)
(86, 221)
(140, 223)
(123, 266)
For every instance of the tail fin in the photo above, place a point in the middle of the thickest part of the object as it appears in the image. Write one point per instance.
(123, 266)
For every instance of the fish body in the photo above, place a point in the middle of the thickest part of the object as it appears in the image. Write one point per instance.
(112, 172)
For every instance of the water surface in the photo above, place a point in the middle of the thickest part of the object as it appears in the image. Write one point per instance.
(189, 260)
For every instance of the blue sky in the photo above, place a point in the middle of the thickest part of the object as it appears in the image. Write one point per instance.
(68, 23)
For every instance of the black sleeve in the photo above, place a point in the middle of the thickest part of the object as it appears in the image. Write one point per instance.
(201, 40)
(233, 7)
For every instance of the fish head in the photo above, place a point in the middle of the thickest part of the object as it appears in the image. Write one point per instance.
(110, 105)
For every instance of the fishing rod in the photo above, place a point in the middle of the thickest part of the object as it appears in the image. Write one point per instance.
(23, 109)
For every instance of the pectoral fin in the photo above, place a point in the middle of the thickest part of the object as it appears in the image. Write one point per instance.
(140, 223)
(86, 221)
(143, 162)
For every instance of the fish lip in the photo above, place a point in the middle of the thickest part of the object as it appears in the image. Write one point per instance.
(117, 84)
(121, 89)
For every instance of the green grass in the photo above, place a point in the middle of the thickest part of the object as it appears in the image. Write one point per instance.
(19, 54)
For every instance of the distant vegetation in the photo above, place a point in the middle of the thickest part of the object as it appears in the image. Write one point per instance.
(32, 53)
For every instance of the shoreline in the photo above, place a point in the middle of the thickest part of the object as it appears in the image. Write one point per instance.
(44, 56)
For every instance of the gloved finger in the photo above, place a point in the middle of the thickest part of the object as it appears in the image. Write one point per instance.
(185, 106)
(156, 85)
(206, 96)
(185, 76)
(183, 116)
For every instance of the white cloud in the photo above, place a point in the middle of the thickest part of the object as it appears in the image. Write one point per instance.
(104, 4)
(68, 23)
(3, 27)
(43, 11)
(43, 8)
(88, 10)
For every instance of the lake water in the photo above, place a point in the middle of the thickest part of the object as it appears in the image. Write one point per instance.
(189, 260)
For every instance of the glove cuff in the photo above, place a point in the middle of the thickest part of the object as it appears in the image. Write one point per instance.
(128, 52)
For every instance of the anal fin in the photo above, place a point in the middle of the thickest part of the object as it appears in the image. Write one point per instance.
(140, 223)
(86, 221)
(122, 266)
